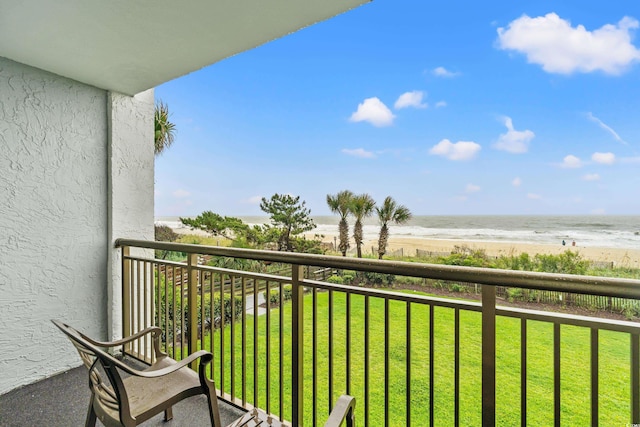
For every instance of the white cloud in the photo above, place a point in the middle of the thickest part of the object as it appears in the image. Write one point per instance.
(443, 72)
(181, 194)
(553, 43)
(571, 162)
(441, 104)
(462, 150)
(514, 141)
(359, 152)
(516, 182)
(591, 177)
(534, 196)
(604, 158)
(472, 188)
(374, 111)
(598, 211)
(600, 123)
(410, 99)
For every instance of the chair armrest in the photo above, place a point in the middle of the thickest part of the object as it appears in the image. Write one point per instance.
(343, 410)
(204, 355)
(126, 340)
(155, 331)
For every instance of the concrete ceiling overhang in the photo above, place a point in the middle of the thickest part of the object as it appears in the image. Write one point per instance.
(129, 46)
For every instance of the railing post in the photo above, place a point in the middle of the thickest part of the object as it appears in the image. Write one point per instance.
(488, 355)
(126, 295)
(297, 341)
(635, 379)
(192, 298)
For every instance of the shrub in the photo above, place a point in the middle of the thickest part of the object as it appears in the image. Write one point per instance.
(310, 246)
(514, 294)
(274, 295)
(439, 284)
(348, 277)
(534, 295)
(338, 280)
(631, 309)
(454, 287)
(521, 262)
(565, 263)
(467, 257)
(378, 279)
(228, 303)
(222, 311)
(164, 233)
(406, 280)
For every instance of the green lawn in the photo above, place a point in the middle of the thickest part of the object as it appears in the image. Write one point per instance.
(575, 353)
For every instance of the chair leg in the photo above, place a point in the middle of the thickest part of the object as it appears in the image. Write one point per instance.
(168, 413)
(91, 416)
(214, 413)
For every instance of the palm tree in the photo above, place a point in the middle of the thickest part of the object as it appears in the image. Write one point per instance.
(361, 207)
(390, 211)
(339, 204)
(164, 134)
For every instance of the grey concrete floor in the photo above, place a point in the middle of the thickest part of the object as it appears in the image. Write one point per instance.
(62, 401)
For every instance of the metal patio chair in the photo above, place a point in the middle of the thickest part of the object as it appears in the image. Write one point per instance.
(130, 401)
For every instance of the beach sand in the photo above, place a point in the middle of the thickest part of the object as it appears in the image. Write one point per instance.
(621, 257)
(186, 231)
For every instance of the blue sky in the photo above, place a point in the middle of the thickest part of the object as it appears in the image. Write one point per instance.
(451, 108)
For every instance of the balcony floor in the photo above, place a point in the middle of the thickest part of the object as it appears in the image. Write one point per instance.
(62, 401)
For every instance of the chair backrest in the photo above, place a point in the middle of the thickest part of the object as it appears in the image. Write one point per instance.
(109, 394)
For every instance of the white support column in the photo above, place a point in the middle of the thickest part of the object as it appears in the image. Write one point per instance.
(130, 186)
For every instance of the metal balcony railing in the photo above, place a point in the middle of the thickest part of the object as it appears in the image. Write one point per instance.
(408, 359)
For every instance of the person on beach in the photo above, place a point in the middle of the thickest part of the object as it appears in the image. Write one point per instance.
(564, 243)
(573, 243)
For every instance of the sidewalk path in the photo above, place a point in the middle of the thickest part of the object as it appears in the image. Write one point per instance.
(249, 304)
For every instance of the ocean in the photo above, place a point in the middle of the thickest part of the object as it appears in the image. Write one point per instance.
(588, 231)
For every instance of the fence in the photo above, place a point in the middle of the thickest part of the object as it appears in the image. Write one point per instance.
(408, 359)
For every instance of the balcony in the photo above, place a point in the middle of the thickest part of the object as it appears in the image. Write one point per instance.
(408, 358)
(62, 401)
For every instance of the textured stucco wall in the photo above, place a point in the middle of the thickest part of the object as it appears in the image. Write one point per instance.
(131, 177)
(65, 163)
(53, 218)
